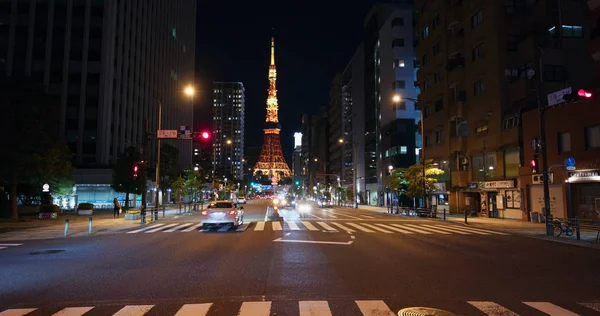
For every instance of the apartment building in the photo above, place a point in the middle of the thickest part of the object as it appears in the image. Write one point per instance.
(229, 106)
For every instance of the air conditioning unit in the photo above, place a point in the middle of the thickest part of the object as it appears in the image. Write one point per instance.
(537, 178)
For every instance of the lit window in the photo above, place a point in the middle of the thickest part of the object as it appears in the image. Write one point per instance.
(403, 150)
(174, 32)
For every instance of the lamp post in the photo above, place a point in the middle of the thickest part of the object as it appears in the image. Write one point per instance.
(388, 193)
(354, 175)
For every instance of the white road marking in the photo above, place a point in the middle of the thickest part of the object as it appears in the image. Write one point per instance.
(447, 229)
(374, 308)
(314, 241)
(378, 228)
(10, 245)
(348, 229)
(255, 309)
(309, 225)
(368, 216)
(195, 227)
(593, 306)
(3, 247)
(293, 226)
(395, 229)
(224, 228)
(159, 227)
(314, 308)
(194, 309)
(487, 231)
(366, 230)
(329, 228)
(242, 228)
(493, 309)
(133, 310)
(276, 225)
(314, 215)
(287, 234)
(73, 311)
(17, 311)
(413, 229)
(352, 237)
(464, 229)
(143, 229)
(259, 226)
(177, 227)
(550, 308)
(430, 230)
(342, 214)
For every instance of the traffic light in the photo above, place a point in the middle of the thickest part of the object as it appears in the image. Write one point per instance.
(136, 168)
(205, 135)
(534, 165)
(584, 94)
(574, 97)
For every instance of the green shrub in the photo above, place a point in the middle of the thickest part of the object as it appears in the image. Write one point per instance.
(85, 206)
(49, 208)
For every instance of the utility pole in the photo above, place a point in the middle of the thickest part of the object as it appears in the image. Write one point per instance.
(144, 162)
(543, 149)
(158, 161)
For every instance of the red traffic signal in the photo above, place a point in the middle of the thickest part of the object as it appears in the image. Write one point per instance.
(136, 168)
(583, 93)
(534, 165)
(205, 135)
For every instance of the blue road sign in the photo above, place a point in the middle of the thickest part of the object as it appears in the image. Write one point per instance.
(570, 162)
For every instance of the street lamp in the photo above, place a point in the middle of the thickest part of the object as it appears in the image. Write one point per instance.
(354, 174)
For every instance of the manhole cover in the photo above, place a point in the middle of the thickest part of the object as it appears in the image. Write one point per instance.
(46, 252)
(424, 311)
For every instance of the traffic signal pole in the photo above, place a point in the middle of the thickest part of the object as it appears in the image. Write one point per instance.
(543, 149)
(144, 161)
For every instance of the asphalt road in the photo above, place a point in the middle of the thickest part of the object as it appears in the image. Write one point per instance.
(326, 262)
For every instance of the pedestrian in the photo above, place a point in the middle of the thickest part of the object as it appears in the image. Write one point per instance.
(117, 208)
(143, 214)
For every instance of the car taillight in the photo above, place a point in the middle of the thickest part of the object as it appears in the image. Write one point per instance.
(232, 212)
(204, 212)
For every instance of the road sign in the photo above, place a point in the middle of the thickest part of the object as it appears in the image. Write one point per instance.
(570, 162)
(166, 133)
(555, 98)
(570, 168)
(185, 132)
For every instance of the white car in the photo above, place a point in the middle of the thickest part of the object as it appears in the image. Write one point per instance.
(222, 213)
(241, 200)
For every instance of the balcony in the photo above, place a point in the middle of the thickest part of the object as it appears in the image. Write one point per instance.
(455, 62)
(455, 13)
(460, 178)
(456, 41)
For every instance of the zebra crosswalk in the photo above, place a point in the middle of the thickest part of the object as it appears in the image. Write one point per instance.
(5, 246)
(329, 226)
(312, 308)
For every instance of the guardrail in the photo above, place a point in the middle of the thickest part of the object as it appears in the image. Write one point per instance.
(579, 225)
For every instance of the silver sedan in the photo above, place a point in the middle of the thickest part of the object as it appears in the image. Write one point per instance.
(222, 212)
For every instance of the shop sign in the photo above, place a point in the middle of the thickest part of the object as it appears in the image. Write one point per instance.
(440, 187)
(504, 184)
(588, 175)
(473, 186)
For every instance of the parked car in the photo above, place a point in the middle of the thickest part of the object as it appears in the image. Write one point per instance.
(222, 213)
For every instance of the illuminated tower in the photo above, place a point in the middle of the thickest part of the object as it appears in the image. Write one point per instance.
(271, 161)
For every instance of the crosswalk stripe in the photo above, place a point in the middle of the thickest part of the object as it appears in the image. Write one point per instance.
(550, 308)
(159, 228)
(255, 309)
(10, 245)
(374, 308)
(348, 229)
(593, 306)
(133, 310)
(367, 216)
(378, 228)
(314, 308)
(464, 229)
(259, 226)
(3, 247)
(177, 227)
(293, 226)
(144, 229)
(413, 229)
(366, 230)
(447, 229)
(73, 311)
(195, 227)
(342, 214)
(492, 309)
(17, 312)
(276, 225)
(194, 309)
(395, 229)
(224, 228)
(431, 230)
(309, 225)
(329, 228)
(487, 231)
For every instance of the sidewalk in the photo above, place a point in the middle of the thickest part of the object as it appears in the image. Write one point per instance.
(102, 224)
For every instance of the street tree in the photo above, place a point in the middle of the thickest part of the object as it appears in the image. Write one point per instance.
(178, 188)
(169, 164)
(123, 179)
(32, 151)
(412, 181)
(193, 185)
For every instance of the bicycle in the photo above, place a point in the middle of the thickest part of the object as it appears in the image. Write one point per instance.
(559, 228)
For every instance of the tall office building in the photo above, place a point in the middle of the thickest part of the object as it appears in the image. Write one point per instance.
(108, 62)
(479, 72)
(228, 130)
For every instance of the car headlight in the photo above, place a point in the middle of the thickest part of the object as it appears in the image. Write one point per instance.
(294, 202)
(275, 201)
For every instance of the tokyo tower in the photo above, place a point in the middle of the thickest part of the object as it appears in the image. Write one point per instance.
(271, 161)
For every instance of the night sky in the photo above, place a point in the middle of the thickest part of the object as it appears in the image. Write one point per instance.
(313, 42)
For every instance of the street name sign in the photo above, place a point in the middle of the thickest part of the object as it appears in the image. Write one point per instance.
(167, 133)
(555, 98)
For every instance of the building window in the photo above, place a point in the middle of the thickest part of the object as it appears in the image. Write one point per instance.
(174, 32)
(426, 112)
(399, 84)
(479, 87)
(481, 129)
(569, 31)
(425, 32)
(592, 137)
(427, 140)
(564, 142)
(399, 63)
(510, 122)
(476, 19)
(511, 163)
(436, 22)
(424, 60)
(439, 137)
(478, 52)
(437, 76)
(398, 22)
(399, 106)
(439, 104)
(403, 150)
(554, 73)
(436, 49)
(398, 42)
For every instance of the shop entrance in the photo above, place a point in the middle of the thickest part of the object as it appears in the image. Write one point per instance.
(492, 206)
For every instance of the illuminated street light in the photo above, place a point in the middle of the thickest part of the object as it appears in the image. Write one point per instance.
(397, 98)
(190, 91)
(228, 142)
(341, 140)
